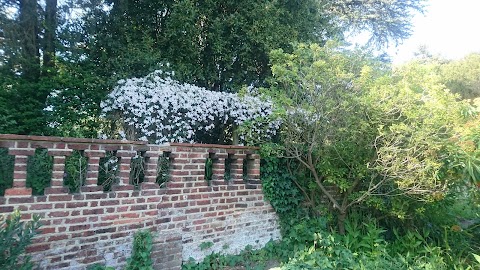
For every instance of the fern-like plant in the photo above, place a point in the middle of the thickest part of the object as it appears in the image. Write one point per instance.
(15, 236)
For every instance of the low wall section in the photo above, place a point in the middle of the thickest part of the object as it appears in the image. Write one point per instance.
(93, 226)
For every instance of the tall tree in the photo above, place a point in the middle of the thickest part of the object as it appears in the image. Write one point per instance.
(49, 38)
(29, 39)
(222, 45)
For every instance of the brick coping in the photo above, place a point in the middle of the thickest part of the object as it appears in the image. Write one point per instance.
(201, 145)
(65, 139)
(101, 141)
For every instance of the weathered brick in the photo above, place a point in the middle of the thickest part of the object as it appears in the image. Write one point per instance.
(59, 214)
(55, 198)
(18, 191)
(36, 248)
(109, 202)
(80, 222)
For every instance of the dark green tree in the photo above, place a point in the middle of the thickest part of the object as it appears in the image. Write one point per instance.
(86, 46)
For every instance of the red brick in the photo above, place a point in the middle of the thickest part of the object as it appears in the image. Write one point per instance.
(55, 259)
(138, 207)
(154, 199)
(41, 206)
(6, 209)
(78, 146)
(98, 196)
(57, 198)
(46, 230)
(76, 204)
(57, 237)
(210, 214)
(197, 155)
(10, 144)
(180, 204)
(59, 205)
(110, 202)
(192, 210)
(179, 173)
(59, 153)
(130, 215)
(19, 191)
(79, 227)
(37, 248)
(110, 217)
(199, 221)
(203, 202)
(164, 205)
(21, 152)
(151, 213)
(95, 211)
(59, 214)
(122, 208)
(94, 147)
(118, 235)
(76, 220)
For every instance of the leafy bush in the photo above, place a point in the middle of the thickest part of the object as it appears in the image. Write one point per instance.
(15, 236)
(279, 188)
(142, 246)
(364, 247)
(75, 171)
(310, 245)
(39, 171)
(6, 170)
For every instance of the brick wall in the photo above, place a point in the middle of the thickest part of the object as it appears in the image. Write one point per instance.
(93, 226)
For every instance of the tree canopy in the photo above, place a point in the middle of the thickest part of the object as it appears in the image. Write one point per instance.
(362, 135)
(85, 47)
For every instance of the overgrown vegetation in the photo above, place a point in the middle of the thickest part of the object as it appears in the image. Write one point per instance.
(311, 244)
(142, 247)
(372, 169)
(367, 166)
(140, 258)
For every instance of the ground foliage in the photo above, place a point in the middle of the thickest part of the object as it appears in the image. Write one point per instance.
(311, 245)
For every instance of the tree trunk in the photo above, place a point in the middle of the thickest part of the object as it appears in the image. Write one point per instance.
(235, 137)
(342, 216)
(28, 37)
(49, 39)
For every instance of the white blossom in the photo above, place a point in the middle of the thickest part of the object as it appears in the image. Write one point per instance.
(161, 109)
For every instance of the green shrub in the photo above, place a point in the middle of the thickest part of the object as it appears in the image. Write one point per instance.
(15, 236)
(75, 171)
(6, 170)
(39, 171)
(362, 247)
(142, 247)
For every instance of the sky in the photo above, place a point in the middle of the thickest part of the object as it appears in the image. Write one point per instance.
(449, 28)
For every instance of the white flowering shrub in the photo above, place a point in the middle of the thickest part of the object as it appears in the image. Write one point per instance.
(159, 109)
